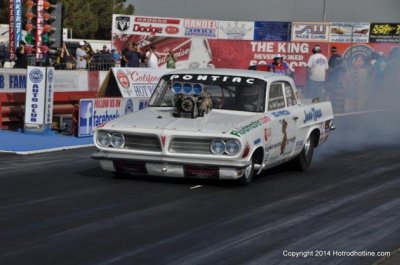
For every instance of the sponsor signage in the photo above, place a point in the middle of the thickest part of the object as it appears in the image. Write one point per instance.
(18, 21)
(272, 31)
(349, 32)
(35, 95)
(155, 26)
(235, 30)
(13, 80)
(137, 82)
(95, 112)
(201, 28)
(309, 31)
(39, 28)
(49, 100)
(11, 32)
(385, 32)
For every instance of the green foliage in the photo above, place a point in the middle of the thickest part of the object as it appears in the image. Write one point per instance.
(92, 18)
(3, 12)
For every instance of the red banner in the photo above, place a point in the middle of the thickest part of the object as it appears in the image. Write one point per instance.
(11, 24)
(240, 54)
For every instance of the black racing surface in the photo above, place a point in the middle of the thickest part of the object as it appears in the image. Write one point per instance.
(61, 208)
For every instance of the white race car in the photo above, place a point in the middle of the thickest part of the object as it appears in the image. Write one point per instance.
(215, 123)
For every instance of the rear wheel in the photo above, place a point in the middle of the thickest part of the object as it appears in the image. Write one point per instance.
(303, 161)
(247, 175)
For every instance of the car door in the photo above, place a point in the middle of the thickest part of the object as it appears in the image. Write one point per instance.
(282, 126)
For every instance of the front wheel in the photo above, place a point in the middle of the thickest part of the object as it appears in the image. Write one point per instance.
(247, 175)
(303, 161)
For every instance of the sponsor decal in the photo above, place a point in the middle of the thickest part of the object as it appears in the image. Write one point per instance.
(129, 106)
(122, 23)
(280, 113)
(312, 115)
(123, 79)
(284, 134)
(299, 146)
(257, 141)
(267, 134)
(231, 79)
(273, 146)
(251, 126)
(143, 104)
(36, 76)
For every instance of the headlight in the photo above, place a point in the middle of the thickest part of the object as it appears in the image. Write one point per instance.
(103, 139)
(232, 147)
(117, 140)
(217, 147)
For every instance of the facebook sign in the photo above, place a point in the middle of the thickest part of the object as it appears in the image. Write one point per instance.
(86, 118)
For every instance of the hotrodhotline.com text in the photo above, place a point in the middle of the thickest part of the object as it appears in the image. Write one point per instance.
(334, 253)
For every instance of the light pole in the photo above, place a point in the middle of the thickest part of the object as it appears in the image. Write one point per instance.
(324, 11)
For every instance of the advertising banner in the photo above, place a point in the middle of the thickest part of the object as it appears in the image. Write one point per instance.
(349, 32)
(49, 100)
(310, 31)
(137, 82)
(385, 32)
(12, 80)
(18, 21)
(236, 30)
(155, 26)
(272, 31)
(205, 28)
(39, 28)
(35, 95)
(96, 111)
(11, 30)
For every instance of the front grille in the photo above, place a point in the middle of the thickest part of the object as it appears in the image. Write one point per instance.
(190, 145)
(142, 142)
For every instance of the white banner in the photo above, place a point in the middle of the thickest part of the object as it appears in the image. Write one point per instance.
(349, 32)
(35, 95)
(49, 101)
(204, 28)
(137, 82)
(310, 31)
(236, 30)
(154, 26)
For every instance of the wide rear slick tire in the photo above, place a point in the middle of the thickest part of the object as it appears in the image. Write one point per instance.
(303, 161)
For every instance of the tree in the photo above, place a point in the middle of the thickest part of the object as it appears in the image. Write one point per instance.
(3, 12)
(93, 18)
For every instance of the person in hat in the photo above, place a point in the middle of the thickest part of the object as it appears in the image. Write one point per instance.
(280, 67)
(81, 56)
(105, 50)
(317, 66)
(22, 60)
(336, 88)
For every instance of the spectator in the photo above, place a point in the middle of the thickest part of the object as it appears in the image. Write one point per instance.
(133, 56)
(67, 60)
(152, 57)
(105, 50)
(116, 57)
(317, 66)
(22, 60)
(335, 86)
(81, 56)
(171, 60)
(123, 53)
(279, 66)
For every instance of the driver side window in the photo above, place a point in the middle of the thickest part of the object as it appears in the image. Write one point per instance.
(276, 98)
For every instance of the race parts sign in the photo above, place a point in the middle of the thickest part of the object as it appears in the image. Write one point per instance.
(385, 32)
(308, 31)
(349, 32)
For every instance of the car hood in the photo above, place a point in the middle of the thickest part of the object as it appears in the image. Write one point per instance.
(218, 121)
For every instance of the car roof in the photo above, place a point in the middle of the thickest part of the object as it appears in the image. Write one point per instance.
(231, 72)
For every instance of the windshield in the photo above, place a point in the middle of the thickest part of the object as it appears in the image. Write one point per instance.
(226, 92)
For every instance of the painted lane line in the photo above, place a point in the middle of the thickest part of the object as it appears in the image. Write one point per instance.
(196, 187)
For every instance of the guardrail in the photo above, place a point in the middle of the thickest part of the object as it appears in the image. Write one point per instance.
(12, 106)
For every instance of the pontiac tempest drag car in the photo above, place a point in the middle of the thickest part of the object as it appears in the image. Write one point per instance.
(215, 123)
